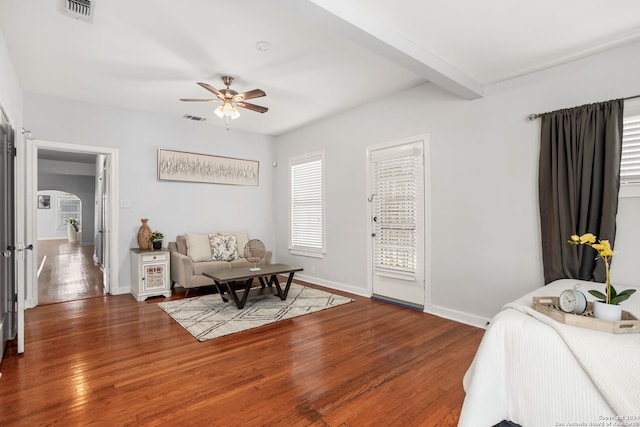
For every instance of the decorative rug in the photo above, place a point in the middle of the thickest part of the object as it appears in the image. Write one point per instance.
(209, 317)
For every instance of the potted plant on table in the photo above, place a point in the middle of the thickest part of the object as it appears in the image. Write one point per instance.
(156, 239)
(607, 307)
(73, 230)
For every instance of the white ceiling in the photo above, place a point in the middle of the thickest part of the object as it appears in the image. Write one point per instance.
(327, 56)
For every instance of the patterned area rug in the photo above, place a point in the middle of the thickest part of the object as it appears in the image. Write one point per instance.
(208, 317)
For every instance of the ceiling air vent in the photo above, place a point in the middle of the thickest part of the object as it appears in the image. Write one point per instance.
(78, 9)
(196, 118)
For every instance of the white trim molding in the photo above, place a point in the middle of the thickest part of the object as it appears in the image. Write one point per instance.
(458, 316)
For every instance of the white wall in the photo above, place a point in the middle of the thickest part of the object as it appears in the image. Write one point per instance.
(484, 209)
(10, 92)
(172, 207)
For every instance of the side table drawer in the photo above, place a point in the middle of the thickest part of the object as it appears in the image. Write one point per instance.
(154, 257)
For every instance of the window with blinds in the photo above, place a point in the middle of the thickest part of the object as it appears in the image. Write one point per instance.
(307, 205)
(630, 162)
(395, 211)
(69, 206)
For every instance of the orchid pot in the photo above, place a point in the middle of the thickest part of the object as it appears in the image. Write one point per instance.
(604, 311)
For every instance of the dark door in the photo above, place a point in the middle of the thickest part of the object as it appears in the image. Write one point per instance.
(8, 289)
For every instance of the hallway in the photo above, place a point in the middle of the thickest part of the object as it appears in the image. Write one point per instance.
(68, 273)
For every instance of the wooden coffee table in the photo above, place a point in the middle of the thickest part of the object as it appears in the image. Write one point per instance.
(267, 275)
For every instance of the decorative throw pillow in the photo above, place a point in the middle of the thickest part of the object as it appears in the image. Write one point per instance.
(198, 247)
(242, 238)
(223, 247)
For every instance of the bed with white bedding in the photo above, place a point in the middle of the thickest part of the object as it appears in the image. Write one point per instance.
(534, 371)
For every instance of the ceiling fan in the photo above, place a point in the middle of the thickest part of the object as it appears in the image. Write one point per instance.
(230, 99)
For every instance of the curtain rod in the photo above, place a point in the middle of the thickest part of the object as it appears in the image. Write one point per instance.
(538, 115)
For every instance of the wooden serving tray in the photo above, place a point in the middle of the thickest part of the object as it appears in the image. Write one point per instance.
(549, 306)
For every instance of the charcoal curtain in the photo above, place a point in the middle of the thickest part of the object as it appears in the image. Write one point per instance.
(579, 179)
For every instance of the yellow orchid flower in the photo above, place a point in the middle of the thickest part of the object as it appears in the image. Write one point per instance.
(587, 238)
(605, 248)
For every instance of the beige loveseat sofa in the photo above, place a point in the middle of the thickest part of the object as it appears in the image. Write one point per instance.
(193, 254)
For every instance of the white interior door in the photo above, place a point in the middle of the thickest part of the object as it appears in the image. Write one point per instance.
(397, 212)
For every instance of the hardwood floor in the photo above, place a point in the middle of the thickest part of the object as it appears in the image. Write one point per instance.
(114, 361)
(68, 273)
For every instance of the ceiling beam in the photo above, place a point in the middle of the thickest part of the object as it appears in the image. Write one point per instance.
(377, 37)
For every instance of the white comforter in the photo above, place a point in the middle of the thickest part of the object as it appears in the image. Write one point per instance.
(535, 371)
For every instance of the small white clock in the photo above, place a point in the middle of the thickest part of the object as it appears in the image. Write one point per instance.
(573, 301)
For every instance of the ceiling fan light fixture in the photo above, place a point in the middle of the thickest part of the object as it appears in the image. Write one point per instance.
(227, 108)
(230, 100)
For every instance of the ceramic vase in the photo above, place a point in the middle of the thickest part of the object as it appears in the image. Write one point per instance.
(144, 235)
(71, 233)
(606, 311)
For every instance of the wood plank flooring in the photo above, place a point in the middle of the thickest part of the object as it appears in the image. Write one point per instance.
(69, 272)
(116, 362)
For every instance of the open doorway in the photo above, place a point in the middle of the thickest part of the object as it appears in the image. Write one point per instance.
(59, 167)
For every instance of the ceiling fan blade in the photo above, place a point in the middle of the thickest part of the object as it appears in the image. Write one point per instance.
(199, 100)
(252, 107)
(256, 93)
(211, 89)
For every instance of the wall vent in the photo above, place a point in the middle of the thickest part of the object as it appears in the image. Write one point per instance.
(78, 9)
(196, 118)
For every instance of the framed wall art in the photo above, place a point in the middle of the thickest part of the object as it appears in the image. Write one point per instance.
(192, 167)
(44, 202)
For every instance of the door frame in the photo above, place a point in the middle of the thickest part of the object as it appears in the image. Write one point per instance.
(425, 139)
(31, 190)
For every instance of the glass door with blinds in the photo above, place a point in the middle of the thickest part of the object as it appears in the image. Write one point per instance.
(397, 202)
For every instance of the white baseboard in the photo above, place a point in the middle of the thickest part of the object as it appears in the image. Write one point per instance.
(458, 316)
(333, 285)
(120, 291)
(447, 313)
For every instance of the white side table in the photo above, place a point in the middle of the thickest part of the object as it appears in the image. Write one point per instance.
(150, 273)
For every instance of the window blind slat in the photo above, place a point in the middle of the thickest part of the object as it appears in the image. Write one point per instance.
(630, 159)
(307, 229)
(395, 209)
